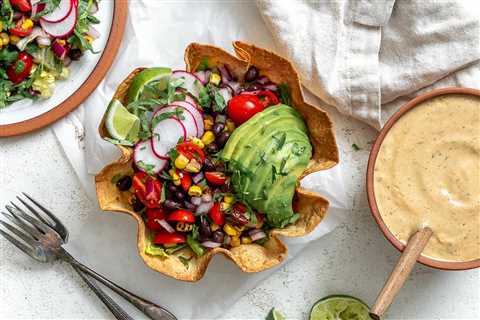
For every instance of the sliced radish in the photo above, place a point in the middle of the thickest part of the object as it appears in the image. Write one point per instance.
(37, 7)
(188, 122)
(63, 28)
(166, 135)
(60, 12)
(143, 154)
(192, 83)
(189, 99)
(197, 115)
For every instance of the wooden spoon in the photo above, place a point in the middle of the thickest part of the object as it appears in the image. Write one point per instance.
(400, 273)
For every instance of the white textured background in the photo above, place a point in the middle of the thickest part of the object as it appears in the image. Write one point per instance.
(355, 259)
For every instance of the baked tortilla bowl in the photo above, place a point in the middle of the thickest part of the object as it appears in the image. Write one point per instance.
(434, 263)
(311, 206)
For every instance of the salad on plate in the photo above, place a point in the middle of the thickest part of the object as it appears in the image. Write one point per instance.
(39, 39)
(212, 158)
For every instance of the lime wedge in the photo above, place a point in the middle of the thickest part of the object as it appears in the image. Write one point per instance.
(274, 314)
(339, 307)
(160, 75)
(120, 123)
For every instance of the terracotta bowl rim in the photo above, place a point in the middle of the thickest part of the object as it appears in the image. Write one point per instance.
(438, 264)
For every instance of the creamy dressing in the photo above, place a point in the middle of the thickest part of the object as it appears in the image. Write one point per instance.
(427, 173)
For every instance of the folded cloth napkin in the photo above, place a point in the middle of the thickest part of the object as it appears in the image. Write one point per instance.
(156, 34)
(367, 57)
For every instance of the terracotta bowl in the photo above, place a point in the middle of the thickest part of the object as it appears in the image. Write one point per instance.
(439, 264)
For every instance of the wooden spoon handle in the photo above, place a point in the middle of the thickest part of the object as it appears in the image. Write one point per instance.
(400, 273)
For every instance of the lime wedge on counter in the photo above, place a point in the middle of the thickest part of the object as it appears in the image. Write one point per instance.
(150, 75)
(274, 314)
(340, 307)
(120, 123)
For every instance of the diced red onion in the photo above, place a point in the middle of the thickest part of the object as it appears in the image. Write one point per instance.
(220, 118)
(225, 73)
(270, 86)
(253, 231)
(44, 41)
(165, 225)
(207, 197)
(94, 33)
(198, 177)
(235, 87)
(204, 208)
(257, 236)
(59, 50)
(67, 61)
(210, 244)
(201, 76)
(196, 200)
(262, 80)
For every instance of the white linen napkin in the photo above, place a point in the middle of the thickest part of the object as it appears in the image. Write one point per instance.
(157, 33)
(367, 57)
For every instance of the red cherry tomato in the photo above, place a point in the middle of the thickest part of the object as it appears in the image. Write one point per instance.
(18, 30)
(138, 181)
(22, 5)
(153, 216)
(20, 69)
(216, 178)
(185, 181)
(190, 150)
(267, 97)
(243, 107)
(147, 189)
(166, 238)
(182, 216)
(216, 214)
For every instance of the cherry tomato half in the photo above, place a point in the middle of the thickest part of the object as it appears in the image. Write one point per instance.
(216, 214)
(190, 150)
(185, 181)
(18, 30)
(216, 178)
(22, 5)
(153, 216)
(166, 238)
(20, 69)
(147, 189)
(243, 107)
(182, 216)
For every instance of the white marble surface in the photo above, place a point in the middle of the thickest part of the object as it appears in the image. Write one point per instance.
(355, 259)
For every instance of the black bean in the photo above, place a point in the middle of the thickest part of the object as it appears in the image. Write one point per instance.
(218, 128)
(75, 54)
(212, 148)
(208, 164)
(188, 205)
(172, 187)
(220, 166)
(218, 236)
(137, 205)
(222, 138)
(251, 74)
(180, 195)
(204, 228)
(226, 188)
(124, 183)
(170, 204)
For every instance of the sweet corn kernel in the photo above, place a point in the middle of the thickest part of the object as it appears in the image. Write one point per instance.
(214, 227)
(208, 137)
(225, 206)
(193, 166)
(1, 26)
(88, 39)
(195, 191)
(246, 240)
(215, 78)
(27, 24)
(175, 177)
(181, 162)
(184, 227)
(61, 42)
(229, 125)
(239, 228)
(208, 123)
(230, 230)
(5, 38)
(234, 241)
(229, 198)
(199, 143)
(14, 39)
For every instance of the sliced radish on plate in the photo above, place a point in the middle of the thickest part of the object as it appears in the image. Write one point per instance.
(60, 12)
(188, 120)
(196, 114)
(189, 99)
(166, 135)
(192, 83)
(144, 157)
(63, 28)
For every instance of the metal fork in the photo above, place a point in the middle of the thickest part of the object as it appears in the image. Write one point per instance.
(42, 239)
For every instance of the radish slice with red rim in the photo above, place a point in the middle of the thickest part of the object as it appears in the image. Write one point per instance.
(189, 99)
(144, 157)
(166, 135)
(63, 28)
(197, 115)
(60, 12)
(192, 83)
(188, 120)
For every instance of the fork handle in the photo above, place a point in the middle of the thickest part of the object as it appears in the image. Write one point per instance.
(150, 309)
(117, 311)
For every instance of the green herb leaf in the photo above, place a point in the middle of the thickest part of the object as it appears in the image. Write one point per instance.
(19, 66)
(148, 168)
(163, 194)
(285, 96)
(8, 56)
(280, 140)
(203, 96)
(178, 113)
(121, 142)
(219, 104)
(355, 147)
(116, 177)
(185, 261)
(203, 64)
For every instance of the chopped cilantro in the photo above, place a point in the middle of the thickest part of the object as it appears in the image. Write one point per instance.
(220, 104)
(203, 64)
(280, 140)
(285, 96)
(122, 142)
(355, 147)
(185, 261)
(116, 177)
(148, 168)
